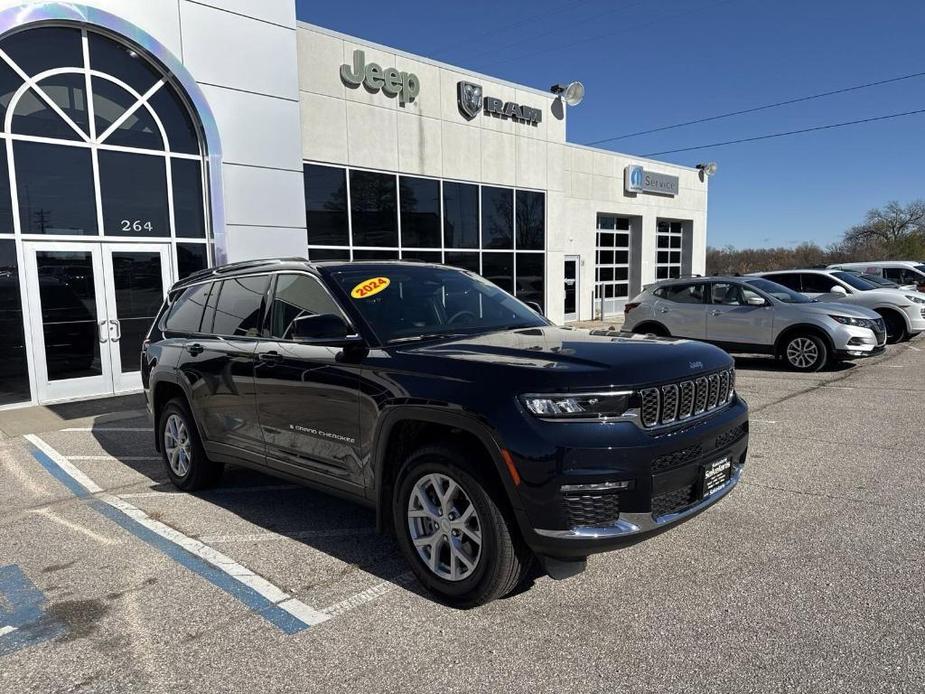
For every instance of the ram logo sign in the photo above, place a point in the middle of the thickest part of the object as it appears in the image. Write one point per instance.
(471, 100)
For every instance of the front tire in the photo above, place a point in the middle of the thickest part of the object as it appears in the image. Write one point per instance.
(454, 531)
(805, 352)
(181, 448)
(651, 329)
(895, 327)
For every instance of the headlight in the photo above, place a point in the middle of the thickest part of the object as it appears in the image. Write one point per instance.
(915, 299)
(578, 405)
(857, 322)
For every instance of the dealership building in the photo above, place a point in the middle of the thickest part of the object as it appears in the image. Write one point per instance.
(143, 140)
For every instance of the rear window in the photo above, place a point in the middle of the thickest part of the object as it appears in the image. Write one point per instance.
(683, 293)
(186, 313)
(240, 306)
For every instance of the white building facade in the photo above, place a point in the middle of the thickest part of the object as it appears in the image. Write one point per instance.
(145, 139)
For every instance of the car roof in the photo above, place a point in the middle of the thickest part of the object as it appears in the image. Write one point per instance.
(878, 263)
(249, 267)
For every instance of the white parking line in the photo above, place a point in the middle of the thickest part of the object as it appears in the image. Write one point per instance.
(120, 458)
(96, 537)
(275, 596)
(7, 630)
(107, 429)
(269, 536)
(368, 595)
(219, 490)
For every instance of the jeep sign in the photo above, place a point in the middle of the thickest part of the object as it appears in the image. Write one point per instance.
(405, 85)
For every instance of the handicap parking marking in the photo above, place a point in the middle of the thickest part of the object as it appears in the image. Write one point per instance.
(23, 619)
(287, 613)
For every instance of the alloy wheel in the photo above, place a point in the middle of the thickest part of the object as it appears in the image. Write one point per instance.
(444, 526)
(802, 352)
(177, 445)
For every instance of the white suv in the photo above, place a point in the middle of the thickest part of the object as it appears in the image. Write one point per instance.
(902, 311)
(904, 272)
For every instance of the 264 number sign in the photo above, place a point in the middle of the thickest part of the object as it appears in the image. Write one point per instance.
(137, 225)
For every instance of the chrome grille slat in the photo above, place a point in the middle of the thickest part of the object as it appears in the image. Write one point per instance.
(686, 400)
(650, 406)
(713, 380)
(723, 387)
(673, 402)
(669, 403)
(700, 401)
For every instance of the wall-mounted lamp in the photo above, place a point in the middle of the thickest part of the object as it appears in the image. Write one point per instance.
(707, 169)
(572, 93)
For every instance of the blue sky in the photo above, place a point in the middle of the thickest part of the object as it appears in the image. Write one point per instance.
(647, 64)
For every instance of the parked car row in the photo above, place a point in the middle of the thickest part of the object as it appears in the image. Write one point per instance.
(808, 318)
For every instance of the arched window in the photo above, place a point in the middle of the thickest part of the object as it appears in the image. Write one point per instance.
(98, 141)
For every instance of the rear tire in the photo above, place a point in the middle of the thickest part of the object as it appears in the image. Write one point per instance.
(181, 448)
(455, 531)
(895, 327)
(651, 329)
(805, 352)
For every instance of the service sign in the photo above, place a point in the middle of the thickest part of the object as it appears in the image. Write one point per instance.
(637, 180)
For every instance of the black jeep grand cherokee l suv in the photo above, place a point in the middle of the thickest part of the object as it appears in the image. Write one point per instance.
(483, 435)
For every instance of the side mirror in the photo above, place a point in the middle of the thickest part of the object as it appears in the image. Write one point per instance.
(323, 329)
(756, 301)
(838, 290)
(535, 306)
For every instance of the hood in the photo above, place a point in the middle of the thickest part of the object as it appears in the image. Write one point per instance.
(829, 308)
(578, 356)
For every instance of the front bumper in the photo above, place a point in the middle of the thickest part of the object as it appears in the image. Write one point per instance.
(663, 473)
(629, 524)
(852, 342)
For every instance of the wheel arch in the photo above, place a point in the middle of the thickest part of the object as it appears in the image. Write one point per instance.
(892, 309)
(404, 429)
(163, 390)
(649, 323)
(803, 328)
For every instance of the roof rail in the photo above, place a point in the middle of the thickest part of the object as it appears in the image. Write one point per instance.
(244, 264)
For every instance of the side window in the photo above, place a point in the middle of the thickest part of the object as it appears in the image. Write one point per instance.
(790, 280)
(911, 277)
(894, 274)
(684, 293)
(748, 293)
(726, 294)
(186, 313)
(814, 283)
(297, 296)
(240, 306)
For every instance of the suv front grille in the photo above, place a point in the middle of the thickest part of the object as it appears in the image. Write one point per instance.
(675, 458)
(591, 509)
(672, 501)
(675, 402)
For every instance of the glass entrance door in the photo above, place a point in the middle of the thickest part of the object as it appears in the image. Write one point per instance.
(91, 304)
(571, 287)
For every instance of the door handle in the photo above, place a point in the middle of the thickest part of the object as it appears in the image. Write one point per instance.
(270, 357)
(104, 334)
(715, 312)
(195, 349)
(118, 327)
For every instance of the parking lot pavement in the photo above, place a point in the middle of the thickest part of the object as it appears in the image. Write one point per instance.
(809, 577)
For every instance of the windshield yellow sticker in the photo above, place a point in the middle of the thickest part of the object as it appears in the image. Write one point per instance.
(367, 288)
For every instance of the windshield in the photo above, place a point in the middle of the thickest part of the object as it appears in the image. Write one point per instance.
(878, 280)
(920, 268)
(405, 302)
(854, 280)
(779, 291)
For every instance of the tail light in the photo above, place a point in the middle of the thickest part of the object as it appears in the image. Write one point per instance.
(629, 306)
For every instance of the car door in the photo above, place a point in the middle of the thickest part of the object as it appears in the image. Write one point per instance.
(307, 398)
(219, 365)
(681, 308)
(732, 319)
